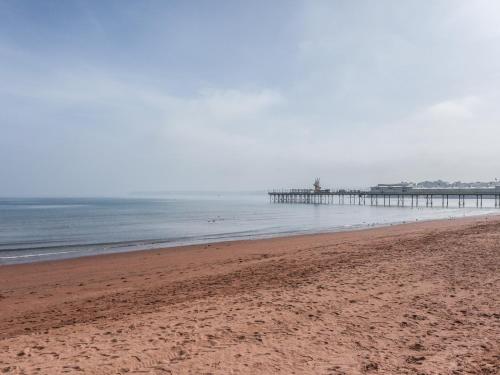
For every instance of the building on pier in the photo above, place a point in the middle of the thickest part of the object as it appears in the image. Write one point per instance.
(407, 188)
(402, 187)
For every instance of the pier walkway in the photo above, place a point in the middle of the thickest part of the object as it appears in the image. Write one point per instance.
(410, 198)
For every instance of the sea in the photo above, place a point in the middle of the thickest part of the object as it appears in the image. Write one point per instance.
(41, 229)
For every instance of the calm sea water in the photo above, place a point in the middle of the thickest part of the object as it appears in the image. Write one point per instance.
(53, 228)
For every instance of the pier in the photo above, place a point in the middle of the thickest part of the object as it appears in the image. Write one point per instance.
(389, 195)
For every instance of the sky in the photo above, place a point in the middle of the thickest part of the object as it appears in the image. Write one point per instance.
(107, 98)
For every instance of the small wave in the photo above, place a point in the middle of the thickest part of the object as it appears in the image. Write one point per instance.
(42, 206)
(37, 255)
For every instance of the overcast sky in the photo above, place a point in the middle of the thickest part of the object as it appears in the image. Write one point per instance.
(110, 97)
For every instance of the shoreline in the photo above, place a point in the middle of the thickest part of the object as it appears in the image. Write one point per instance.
(409, 298)
(162, 245)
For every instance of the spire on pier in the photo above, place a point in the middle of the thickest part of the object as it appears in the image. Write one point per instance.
(317, 186)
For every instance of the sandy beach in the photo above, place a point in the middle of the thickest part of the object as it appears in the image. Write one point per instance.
(417, 298)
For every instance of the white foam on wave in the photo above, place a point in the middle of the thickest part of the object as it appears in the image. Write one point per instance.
(37, 255)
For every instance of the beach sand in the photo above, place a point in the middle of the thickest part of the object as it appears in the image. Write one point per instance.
(418, 298)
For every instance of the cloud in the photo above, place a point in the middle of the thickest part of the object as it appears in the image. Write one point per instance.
(458, 109)
(475, 19)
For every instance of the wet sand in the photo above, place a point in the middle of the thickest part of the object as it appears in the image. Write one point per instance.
(409, 299)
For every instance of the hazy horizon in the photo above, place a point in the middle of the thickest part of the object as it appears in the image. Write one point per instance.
(110, 98)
